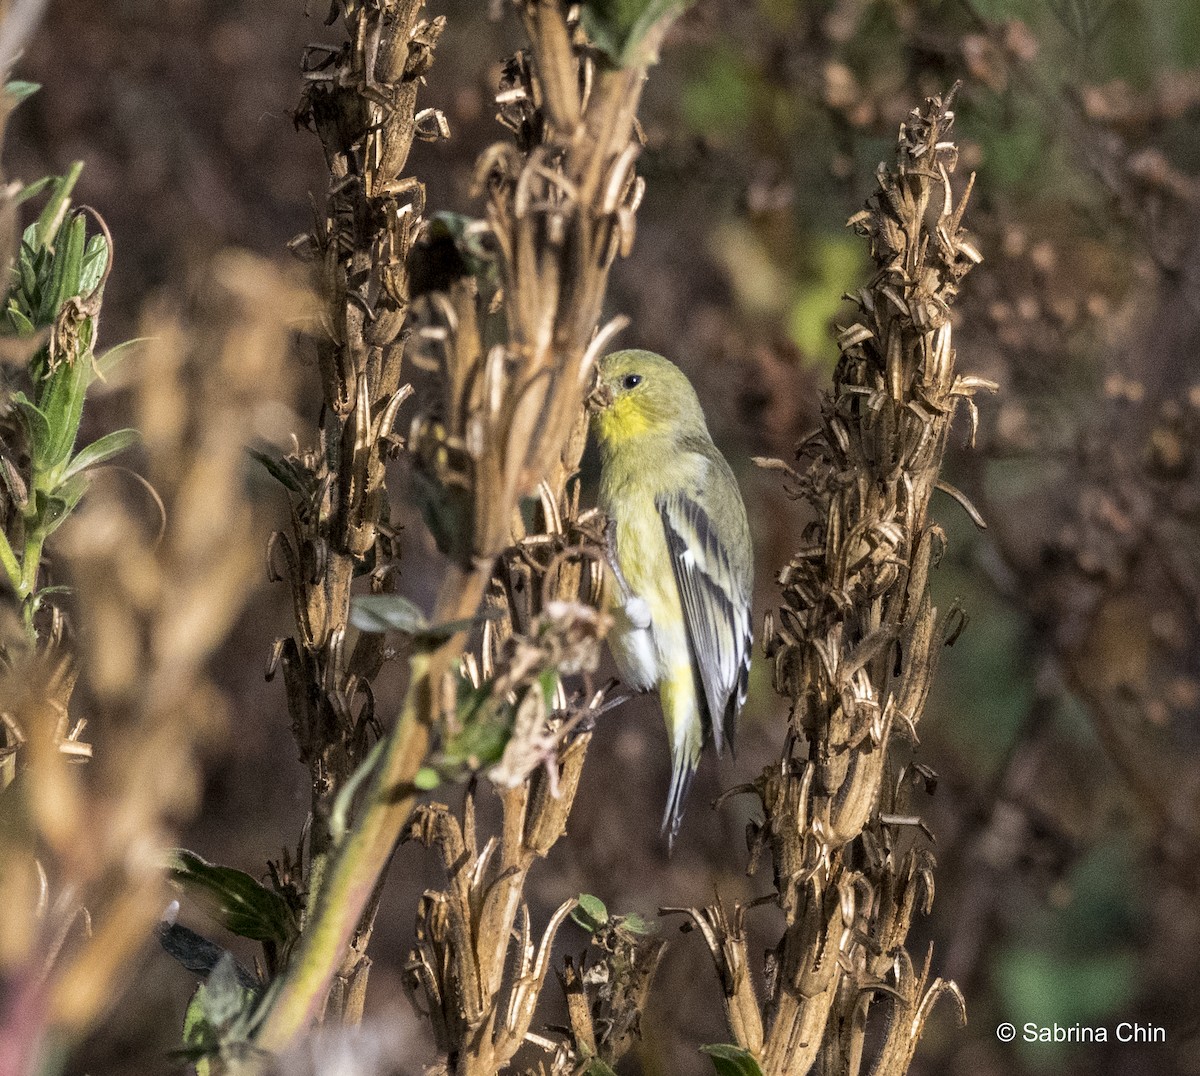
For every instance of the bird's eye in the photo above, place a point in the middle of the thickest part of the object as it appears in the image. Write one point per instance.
(631, 381)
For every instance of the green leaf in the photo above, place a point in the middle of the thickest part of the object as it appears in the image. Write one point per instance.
(200, 1039)
(218, 1017)
(226, 997)
(53, 508)
(486, 729)
(38, 234)
(282, 470)
(101, 450)
(628, 32)
(240, 903)
(37, 427)
(483, 726)
(32, 190)
(427, 779)
(596, 1067)
(548, 682)
(18, 323)
(637, 924)
(29, 240)
(378, 613)
(386, 612)
(20, 90)
(95, 260)
(62, 404)
(591, 914)
(197, 954)
(730, 1060)
(8, 561)
(66, 270)
(436, 634)
(105, 364)
(61, 588)
(452, 246)
(339, 817)
(29, 267)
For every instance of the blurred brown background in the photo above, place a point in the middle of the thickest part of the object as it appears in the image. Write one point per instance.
(1064, 725)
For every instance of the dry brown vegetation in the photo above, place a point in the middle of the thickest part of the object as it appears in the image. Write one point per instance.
(415, 414)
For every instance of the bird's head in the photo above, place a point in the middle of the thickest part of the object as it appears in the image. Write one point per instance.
(640, 394)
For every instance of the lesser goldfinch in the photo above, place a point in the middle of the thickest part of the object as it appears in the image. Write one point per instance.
(679, 548)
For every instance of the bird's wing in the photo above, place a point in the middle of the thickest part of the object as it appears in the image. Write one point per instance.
(716, 607)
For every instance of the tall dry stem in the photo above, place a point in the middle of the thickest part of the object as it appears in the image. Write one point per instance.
(853, 646)
(560, 208)
(361, 101)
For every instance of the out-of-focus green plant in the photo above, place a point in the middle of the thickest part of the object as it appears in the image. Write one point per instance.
(217, 1027)
(52, 288)
(83, 880)
(57, 285)
(628, 32)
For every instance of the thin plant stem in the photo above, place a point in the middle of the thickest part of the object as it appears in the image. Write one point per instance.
(358, 862)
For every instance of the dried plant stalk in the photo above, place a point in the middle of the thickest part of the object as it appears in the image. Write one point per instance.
(361, 100)
(561, 206)
(853, 646)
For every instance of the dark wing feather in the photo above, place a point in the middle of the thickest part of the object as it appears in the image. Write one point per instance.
(714, 592)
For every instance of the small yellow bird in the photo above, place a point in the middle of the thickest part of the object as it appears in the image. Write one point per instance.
(679, 548)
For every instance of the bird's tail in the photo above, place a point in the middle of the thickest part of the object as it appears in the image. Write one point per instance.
(684, 763)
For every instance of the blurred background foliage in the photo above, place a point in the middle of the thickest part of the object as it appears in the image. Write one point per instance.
(1063, 727)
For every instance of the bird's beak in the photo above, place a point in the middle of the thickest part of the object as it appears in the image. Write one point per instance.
(600, 398)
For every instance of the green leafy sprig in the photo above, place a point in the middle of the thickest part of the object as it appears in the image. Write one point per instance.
(53, 302)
